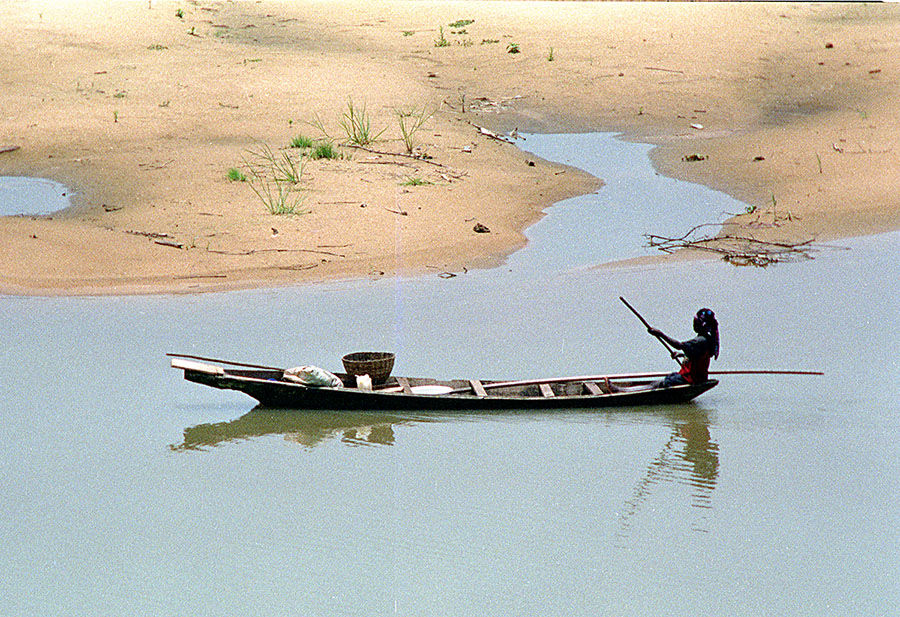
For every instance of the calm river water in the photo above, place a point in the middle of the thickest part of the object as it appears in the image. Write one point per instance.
(127, 491)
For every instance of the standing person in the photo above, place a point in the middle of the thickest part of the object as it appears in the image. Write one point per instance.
(697, 352)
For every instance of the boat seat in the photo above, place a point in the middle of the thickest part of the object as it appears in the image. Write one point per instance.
(477, 387)
(404, 385)
(593, 388)
(546, 390)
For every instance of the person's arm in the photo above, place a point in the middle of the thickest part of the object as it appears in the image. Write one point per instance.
(664, 337)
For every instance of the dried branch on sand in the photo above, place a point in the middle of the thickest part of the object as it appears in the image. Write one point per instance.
(738, 249)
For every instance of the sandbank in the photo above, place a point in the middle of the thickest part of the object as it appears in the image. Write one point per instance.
(142, 108)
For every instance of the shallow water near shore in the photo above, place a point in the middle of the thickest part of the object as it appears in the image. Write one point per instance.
(130, 491)
(31, 196)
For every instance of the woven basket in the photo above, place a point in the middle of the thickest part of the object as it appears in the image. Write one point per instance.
(376, 364)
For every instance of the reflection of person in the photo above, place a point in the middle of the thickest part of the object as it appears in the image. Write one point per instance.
(689, 458)
(699, 450)
(697, 352)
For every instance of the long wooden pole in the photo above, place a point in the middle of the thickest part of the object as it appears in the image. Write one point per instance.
(229, 362)
(648, 326)
(636, 314)
(766, 372)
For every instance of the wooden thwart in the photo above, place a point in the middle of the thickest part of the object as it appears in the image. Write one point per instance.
(477, 387)
(593, 388)
(546, 390)
(404, 385)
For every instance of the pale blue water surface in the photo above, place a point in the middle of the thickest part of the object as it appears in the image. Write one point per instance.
(31, 196)
(128, 491)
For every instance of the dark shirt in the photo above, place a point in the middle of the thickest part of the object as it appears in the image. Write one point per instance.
(698, 352)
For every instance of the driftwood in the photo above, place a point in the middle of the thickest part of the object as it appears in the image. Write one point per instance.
(738, 249)
(484, 104)
(400, 163)
(254, 251)
(148, 234)
(659, 68)
(420, 159)
(172, 243)
(487, 133)
(299, 267)
(155, 165)
(185, 277)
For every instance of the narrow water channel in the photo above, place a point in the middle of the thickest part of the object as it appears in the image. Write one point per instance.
(611, 224)
(129, 491)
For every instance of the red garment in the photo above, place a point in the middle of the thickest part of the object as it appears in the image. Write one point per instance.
(696, 370)
(698, 353)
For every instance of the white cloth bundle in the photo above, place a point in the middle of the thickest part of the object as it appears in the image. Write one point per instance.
(313, 377)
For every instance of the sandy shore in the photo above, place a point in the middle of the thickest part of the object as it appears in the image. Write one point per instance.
(142, 108)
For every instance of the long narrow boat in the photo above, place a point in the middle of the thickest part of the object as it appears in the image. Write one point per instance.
(272, 390)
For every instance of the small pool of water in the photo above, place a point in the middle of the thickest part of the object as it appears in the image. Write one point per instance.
(20, 195)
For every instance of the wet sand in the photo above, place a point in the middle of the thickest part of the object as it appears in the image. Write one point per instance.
(142, 108)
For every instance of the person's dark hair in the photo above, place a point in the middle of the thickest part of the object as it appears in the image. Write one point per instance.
(705, 324)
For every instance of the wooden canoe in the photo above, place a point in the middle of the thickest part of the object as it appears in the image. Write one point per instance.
(269, 387)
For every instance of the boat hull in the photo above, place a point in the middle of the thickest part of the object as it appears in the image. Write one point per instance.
(272, 392)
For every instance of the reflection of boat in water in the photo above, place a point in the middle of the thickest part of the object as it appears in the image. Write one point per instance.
(689, 457)
(313, 427)
(308, 428)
